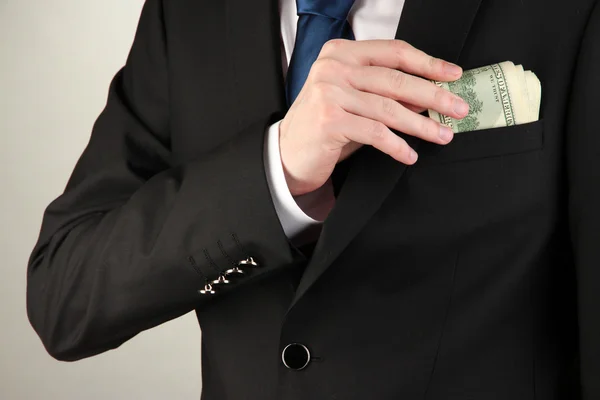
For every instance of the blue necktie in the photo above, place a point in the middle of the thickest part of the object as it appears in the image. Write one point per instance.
(318, 22)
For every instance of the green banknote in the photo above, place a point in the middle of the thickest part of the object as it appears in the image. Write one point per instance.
(502, 94)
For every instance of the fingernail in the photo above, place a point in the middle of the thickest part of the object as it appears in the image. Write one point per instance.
(460, 107)
(412, 156)
(446, 133)
(452, 69)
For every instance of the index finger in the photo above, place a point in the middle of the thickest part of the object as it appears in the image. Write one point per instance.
(396, 54)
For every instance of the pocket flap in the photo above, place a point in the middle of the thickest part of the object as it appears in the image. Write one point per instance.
(485, 143)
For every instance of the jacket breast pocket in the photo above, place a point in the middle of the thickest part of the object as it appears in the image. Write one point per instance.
(484, 143)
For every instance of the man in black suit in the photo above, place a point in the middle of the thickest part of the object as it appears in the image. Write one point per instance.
(472, 273)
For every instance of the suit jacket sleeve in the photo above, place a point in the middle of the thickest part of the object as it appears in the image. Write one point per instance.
(583, 157)
(134, 236)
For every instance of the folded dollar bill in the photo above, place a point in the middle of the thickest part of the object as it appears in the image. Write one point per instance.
(501, 94)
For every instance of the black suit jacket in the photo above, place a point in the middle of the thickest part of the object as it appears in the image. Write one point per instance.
(474, 274)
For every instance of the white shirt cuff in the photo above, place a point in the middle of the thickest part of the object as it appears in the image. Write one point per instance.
(300, 216)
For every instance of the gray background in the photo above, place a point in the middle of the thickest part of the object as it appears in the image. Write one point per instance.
(57, 58)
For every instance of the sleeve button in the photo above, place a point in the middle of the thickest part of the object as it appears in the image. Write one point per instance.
(235, 271)
(208, 289)
(248, 262)
(221, 280)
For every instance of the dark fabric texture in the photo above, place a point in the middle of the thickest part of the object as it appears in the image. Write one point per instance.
(474, 274)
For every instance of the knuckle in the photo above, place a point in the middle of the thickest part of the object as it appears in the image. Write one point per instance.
(397, 79)
(322, 91)
(324, 68)
(332, 45)
(376, 131)
(357, 76)
(321, 68)
(351, 74)
(429, 127)
(388, 107)
(441, 98)
(400, 149)
(328, 116)
(434, 63)
(399, 47)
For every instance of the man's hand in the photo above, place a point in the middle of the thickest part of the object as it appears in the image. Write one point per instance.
(356, 90)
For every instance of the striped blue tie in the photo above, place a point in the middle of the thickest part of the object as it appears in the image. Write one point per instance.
(318, 22)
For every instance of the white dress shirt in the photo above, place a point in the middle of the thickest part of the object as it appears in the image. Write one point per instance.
(370, 19)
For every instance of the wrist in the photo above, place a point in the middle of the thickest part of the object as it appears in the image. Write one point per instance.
(318, 203)
(295, 185)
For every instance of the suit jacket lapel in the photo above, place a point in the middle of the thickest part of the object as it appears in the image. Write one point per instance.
(439, 28)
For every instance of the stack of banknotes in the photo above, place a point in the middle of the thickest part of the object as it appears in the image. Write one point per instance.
(502, 94)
